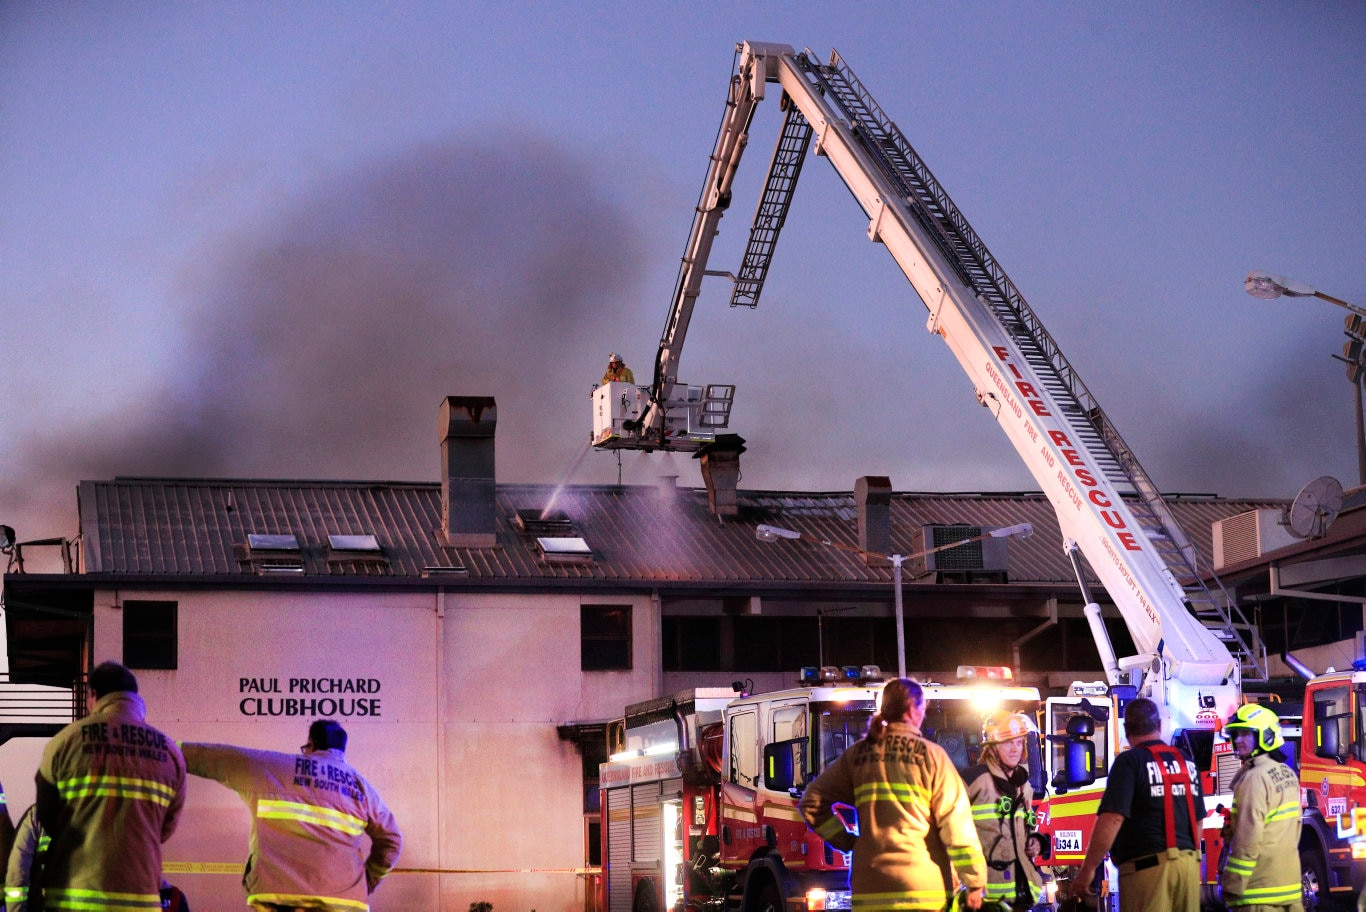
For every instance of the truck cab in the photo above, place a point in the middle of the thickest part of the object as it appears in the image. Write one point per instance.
(701, 789)
(1332, 767)
(776, 743)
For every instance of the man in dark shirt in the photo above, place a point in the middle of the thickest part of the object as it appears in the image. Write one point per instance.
(1149, 820)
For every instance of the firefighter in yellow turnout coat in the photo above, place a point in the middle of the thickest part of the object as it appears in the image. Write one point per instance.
(109, 790)
(308, 811)
(914, 825)
(1263, 867)
(1003, 810)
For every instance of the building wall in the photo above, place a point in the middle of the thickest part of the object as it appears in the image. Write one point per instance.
(466, 693)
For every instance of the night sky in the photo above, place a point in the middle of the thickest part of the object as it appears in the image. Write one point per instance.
(266, 239)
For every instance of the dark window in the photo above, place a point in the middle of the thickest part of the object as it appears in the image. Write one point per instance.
(774, 643)
(149, 634)
(593, 751)
(692, 643)
(593, 833)
(759, 644)
(605, 636)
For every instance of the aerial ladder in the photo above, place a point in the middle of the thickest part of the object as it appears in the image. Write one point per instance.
(1194, 644)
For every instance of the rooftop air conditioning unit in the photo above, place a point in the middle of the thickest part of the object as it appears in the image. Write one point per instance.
(1248, 536)
(988, 555)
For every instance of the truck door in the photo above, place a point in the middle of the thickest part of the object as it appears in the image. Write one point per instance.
(1069, 814)
(776, 807)
(741, 834)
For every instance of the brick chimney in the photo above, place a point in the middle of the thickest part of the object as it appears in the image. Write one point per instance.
(467, 479)
(873, 497)
(721, 473)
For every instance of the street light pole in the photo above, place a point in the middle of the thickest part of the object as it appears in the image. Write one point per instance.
(769, 533)
(897, 560)
(1268, 287)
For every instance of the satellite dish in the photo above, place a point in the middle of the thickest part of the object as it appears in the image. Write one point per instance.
(1315, 507)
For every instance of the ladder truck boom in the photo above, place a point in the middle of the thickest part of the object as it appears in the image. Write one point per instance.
(1108, 509)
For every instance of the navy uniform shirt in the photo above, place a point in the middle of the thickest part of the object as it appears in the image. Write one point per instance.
(1134, 790)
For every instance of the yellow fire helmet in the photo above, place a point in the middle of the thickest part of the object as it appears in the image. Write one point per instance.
(1254, 718)
(1004, 725)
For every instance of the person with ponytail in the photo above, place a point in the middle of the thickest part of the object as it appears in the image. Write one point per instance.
(915, 829)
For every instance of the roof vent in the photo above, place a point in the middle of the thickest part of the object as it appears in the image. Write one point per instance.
(445, 570)
(270, 568)
(974, 561)
(553, 523)
(1249, 535)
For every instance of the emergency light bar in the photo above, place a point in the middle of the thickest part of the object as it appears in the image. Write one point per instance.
(985, 673)
(814, 676)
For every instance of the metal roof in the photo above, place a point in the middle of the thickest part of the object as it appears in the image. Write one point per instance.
(173, 527)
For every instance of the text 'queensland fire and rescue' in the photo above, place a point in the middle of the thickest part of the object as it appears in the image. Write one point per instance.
(310, 699)
(1069, 453)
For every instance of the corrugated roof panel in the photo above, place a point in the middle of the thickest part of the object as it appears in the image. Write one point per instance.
(637, 534)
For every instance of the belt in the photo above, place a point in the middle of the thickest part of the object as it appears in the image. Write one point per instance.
(1145, 862)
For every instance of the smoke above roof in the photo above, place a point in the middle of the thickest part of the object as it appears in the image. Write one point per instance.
(323, 347)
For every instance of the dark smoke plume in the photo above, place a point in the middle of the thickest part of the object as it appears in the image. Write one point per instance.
(324, 350)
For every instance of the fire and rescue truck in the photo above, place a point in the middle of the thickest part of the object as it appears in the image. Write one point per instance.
(699, 796)
(1194, 645)
(1332, 766)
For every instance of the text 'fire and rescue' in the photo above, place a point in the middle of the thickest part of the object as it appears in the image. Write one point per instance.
(119, 739)
(313, 705)
(1069, 453)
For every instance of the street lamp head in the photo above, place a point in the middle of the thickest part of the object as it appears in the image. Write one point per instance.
(1268, 287)
(1020, 530)
(767, 533)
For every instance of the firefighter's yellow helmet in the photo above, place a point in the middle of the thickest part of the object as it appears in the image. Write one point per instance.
(1254, 718)
(1004, 725)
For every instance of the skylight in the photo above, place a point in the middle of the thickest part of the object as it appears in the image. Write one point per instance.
(286, 542)
(353, 543)
(566, 549)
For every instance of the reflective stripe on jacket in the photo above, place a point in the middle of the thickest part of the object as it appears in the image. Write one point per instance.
(1264, 864)
(308, 812)
(1003, 828)
(29, 841)
(110, 792)
(915, 826)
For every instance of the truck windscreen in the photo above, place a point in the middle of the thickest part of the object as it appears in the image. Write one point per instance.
(838, 725)
(956, 726)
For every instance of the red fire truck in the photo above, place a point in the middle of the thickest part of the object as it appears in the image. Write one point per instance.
(1332, 765)
(1087, 724)
(699, 796)
(1194, 646)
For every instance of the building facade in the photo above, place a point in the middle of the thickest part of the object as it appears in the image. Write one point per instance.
(476, 638)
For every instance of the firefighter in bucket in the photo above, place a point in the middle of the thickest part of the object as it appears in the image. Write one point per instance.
(1003, 809)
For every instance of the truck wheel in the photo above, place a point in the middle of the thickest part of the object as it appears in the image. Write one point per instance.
(1314, 880)
(770, 900)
